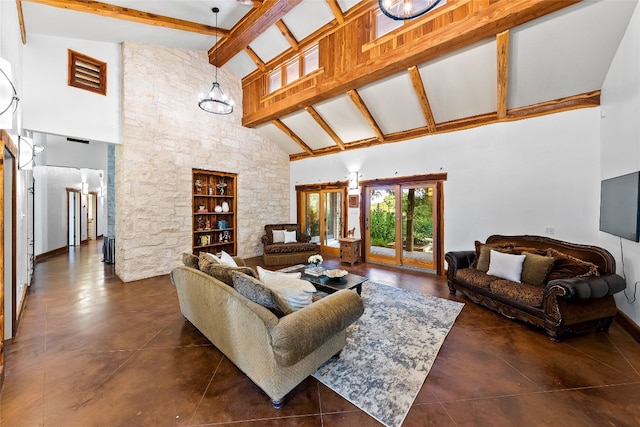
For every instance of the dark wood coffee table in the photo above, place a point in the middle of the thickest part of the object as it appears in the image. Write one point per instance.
(329, 285)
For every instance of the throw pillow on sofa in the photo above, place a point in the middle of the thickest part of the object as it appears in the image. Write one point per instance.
(567, 266)
(266, 276)
(536, 268)
(278, 236)
(506, 266)
(481, 261)
(296, 293)
(290, 237)
(190, 260)
(256, 291)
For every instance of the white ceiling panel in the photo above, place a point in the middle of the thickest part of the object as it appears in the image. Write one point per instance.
(282, 140)
(270, 44)
(57, 22)
(307, 17)
(191, 10)
(345, 119)
(463, 84)
(242, 64)
(345, 5)
(303, 125)
(393, 103)
(566, 53)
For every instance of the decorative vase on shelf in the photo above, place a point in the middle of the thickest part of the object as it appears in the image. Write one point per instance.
(225, 207)
(218, 208)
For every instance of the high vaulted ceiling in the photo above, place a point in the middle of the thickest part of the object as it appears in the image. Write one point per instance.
(466, 63)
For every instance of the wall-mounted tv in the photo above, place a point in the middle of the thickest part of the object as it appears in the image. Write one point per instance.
(620, 206)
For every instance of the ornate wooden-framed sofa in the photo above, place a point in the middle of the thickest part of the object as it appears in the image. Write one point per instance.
(561, 305)
(289, 253)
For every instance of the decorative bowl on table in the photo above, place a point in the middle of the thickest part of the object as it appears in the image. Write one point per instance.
(336, 274)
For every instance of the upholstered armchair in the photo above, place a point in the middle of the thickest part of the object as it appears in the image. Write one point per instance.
(287, 246)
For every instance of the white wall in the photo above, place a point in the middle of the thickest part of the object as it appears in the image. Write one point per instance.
(620, 147)
(51, 106)
(508, 178)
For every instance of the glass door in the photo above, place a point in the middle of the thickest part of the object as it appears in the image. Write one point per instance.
(381, 227)
(417, 225)
(323, 218)
(400, 224)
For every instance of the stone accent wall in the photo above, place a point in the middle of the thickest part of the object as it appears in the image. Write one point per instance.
(111, 189)
(166, 135)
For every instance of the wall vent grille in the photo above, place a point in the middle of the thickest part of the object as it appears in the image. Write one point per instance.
(87, 73)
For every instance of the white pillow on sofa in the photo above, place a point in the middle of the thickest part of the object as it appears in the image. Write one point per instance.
(506, 266)
(224, 259)
(290, 236)
(267, 276)
(295, 292)
(278, 236)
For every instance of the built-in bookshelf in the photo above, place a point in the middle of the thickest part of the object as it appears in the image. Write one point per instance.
(214, 211)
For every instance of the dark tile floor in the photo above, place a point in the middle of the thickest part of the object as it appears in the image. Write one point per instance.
(93, 351)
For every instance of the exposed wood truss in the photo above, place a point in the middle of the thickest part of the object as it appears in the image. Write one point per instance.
(347, 48)
(362, 107)
(254, 23)
(284, 128)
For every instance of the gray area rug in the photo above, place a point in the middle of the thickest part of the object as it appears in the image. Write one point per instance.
(389, 351)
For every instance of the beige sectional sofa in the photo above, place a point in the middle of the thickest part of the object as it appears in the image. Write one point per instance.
(277, 354)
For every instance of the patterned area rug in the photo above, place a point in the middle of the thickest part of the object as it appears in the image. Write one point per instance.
(389, 351)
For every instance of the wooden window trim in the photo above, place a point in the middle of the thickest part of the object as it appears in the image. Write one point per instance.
(97, 81)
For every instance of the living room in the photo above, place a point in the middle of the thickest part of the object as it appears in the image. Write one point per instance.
(536, 176)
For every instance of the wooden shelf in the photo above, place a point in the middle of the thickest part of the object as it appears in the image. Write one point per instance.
(211, 189)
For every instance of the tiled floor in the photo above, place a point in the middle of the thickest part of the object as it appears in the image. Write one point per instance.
(93, 351)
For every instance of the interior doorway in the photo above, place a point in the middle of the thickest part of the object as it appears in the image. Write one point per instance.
(9, 245)
(74, 214)
(92, 216)
(403, 223)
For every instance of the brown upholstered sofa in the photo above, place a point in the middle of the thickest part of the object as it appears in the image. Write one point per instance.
(276, 353)
(573, 292)
(279, 253)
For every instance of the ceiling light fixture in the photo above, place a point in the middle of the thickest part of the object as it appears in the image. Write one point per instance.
(406, 9)
(8, 94)
(216, 101)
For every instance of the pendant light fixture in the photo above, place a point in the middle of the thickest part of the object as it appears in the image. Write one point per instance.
(406, 9)
(216, 101)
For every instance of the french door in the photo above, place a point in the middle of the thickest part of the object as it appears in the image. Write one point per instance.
(323, 218)
(402, 225)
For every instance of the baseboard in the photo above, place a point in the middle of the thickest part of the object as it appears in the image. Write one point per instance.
(628, 325)
(52, 253)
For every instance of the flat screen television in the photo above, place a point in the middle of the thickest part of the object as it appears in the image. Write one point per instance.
(620, 206)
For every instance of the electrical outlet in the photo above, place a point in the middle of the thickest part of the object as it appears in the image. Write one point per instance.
(169, 254)
(550, 230)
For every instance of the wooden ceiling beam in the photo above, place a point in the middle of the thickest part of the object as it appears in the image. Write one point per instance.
(254, 23)
(362, 107)
(337, 12)
(23, 31)
(291, 134)
(584, 100)
(127, 14)
(325, 126)
(418, 86)
(502, 43)
(287, 34)
(256, 59)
